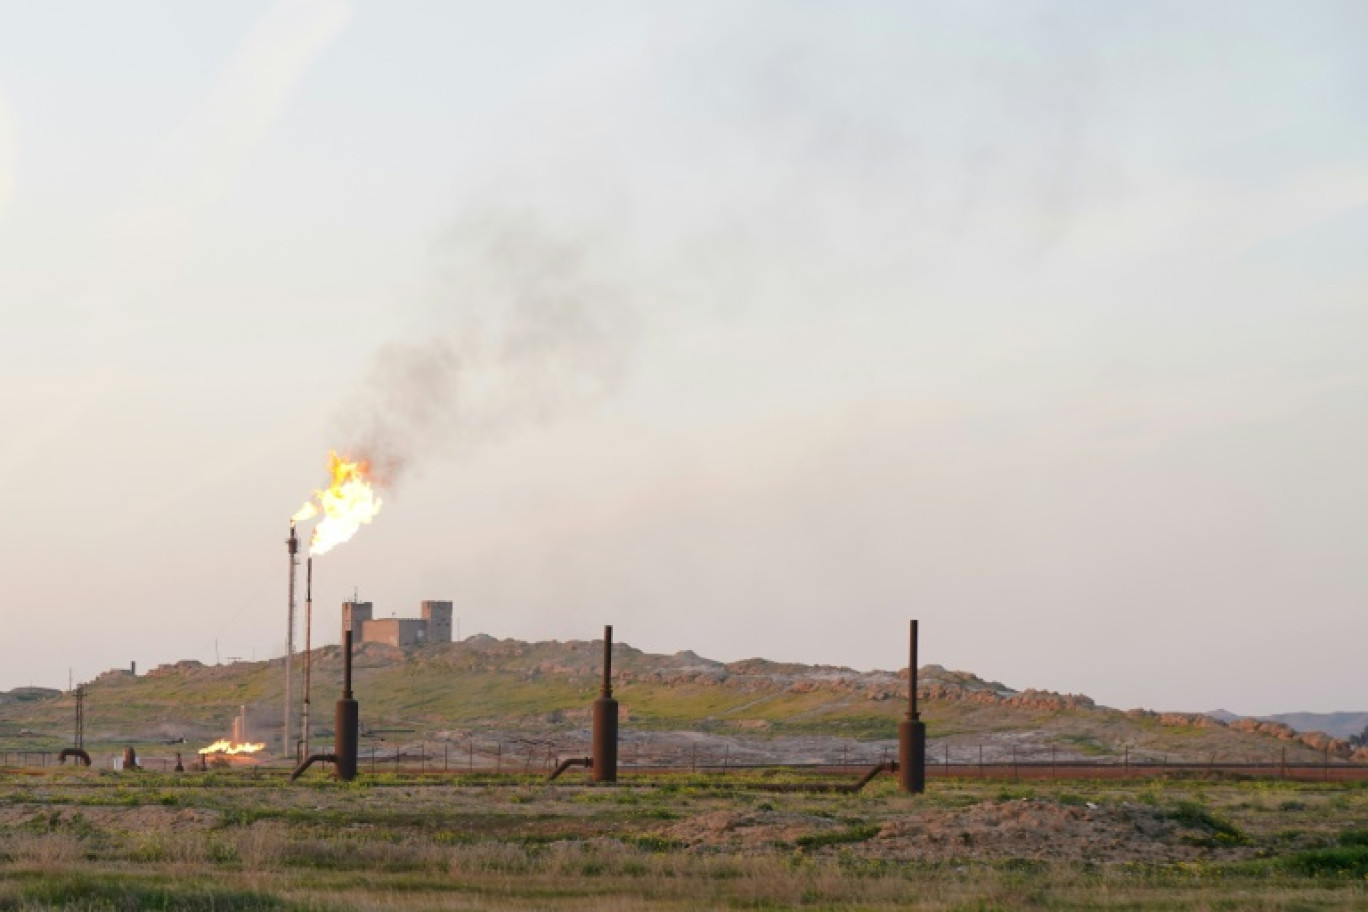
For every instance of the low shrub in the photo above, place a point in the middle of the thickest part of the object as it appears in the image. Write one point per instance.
(1340, 861)
(1354, 838)
(856, 833)
(126, 894)
(1217, 830)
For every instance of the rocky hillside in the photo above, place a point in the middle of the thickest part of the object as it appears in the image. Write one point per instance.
(483, 684)
(1339, 724)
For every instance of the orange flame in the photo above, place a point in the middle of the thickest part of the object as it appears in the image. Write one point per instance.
(230, 749)
(347, 504)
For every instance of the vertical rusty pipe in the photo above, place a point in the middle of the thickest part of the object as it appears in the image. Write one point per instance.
(607, 689)
(606, 718)
(346, 665)
(291, 545)
(346, 724)
(912, 731)
(911, 672)
(304, 731)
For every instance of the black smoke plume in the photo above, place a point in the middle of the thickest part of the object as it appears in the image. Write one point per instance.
(528, 333)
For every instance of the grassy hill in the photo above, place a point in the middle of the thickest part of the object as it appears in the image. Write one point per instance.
(482, 684)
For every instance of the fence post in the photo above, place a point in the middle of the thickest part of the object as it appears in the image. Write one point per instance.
(1054, 770)
(1127, 761)
(1016, 773)
(498, 758)
(470, 746)
(980, 761)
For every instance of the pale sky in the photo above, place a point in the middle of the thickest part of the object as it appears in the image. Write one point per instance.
(1041, 322)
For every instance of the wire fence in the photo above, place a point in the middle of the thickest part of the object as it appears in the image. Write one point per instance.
(540, 755)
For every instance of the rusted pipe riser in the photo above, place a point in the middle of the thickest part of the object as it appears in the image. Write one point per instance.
(310, 761)
(606, 718)
(888, 766)
(912, 712)
(586, 762)
(347, 665)
(347, 721)
(607, 689)
(605, 739)
(912, 756)
(912, 731)
(348, 731)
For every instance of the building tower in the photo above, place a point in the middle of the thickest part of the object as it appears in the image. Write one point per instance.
(354, 615)
(438, 618)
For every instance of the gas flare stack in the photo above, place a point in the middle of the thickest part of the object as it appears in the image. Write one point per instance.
(912, 732)
(292, 547)
(606, 718)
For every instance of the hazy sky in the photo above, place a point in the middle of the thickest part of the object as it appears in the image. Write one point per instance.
(752, 328)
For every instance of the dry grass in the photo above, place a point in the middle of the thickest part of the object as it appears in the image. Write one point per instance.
(99, 842)
(47, 852)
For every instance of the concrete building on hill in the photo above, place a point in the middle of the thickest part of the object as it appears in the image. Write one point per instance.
(434, 625)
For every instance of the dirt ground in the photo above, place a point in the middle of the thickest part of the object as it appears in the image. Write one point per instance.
(1022, 829)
